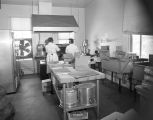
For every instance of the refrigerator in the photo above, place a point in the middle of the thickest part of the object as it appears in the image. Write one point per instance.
(9, 77)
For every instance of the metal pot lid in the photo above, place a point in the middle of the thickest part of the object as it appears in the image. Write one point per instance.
(86, 85)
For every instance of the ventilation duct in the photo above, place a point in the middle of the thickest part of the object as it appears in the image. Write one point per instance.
(45, 21)
(54, 23)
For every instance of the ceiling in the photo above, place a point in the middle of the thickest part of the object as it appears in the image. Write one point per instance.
(56, 3)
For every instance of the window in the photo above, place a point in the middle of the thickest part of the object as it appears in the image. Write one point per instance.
(136, 44)
(142, 45)
(63, 38)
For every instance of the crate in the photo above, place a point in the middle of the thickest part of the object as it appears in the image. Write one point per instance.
(78, 115)
(46, 85)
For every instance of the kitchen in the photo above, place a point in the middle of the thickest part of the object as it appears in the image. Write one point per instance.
(100, 22)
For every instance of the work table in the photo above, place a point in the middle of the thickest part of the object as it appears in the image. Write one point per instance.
(69, 74)
(63, 74)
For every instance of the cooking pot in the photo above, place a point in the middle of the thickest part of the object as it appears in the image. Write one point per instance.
(71, 97)
(86, 93)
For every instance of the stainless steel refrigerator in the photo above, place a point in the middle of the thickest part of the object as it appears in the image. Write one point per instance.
(8, 70)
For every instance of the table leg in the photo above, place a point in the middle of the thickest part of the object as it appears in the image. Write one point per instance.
(98, 100)
(135, 94)
(64, 101)
(104, 71)
(130, 81)
(119, 85)
(112, 76)
(115, 76)
(52, 88)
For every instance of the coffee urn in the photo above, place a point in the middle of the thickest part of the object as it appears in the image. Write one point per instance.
(40, 50)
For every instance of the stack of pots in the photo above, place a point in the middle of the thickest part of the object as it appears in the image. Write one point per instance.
(6, 108)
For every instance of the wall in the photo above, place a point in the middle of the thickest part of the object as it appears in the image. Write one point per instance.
(137, 17)
(8, 11)
(115, 20)
(104, 21)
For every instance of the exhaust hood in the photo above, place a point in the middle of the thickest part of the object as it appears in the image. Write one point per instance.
(44, 23)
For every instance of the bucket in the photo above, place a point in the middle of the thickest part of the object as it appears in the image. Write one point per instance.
(86, 93)
(71, 97)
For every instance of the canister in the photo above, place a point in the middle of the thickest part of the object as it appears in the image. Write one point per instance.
(71, 97)
(40, 50)
(86, 93)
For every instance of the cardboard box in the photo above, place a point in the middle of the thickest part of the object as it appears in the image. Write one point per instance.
(46, 85)
(78, 115)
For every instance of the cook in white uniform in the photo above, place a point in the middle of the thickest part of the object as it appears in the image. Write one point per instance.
(72, 49)
(51, 50)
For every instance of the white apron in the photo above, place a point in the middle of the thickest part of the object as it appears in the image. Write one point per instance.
(51, 58)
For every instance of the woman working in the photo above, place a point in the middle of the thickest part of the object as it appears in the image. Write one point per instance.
(51, 50)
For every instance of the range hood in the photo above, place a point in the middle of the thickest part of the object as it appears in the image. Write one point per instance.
(44, 23)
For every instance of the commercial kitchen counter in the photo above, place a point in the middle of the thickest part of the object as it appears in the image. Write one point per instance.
(63, 75)
(120, 67)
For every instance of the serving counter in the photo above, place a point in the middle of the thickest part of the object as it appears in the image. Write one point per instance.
(64, 75)
(120, 67)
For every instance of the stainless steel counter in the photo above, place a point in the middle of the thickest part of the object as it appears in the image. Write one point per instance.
(64, 75)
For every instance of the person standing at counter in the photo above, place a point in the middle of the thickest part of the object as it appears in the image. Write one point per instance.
(51, 50)
(72, 49)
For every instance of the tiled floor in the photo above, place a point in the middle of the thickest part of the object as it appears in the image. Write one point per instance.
(30, 104)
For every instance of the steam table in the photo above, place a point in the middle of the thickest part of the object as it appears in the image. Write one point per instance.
(64, 75)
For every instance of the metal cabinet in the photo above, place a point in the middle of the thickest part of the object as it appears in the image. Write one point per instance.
(8, 71)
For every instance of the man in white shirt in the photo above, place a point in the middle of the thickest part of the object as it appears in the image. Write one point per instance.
(72, 49)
